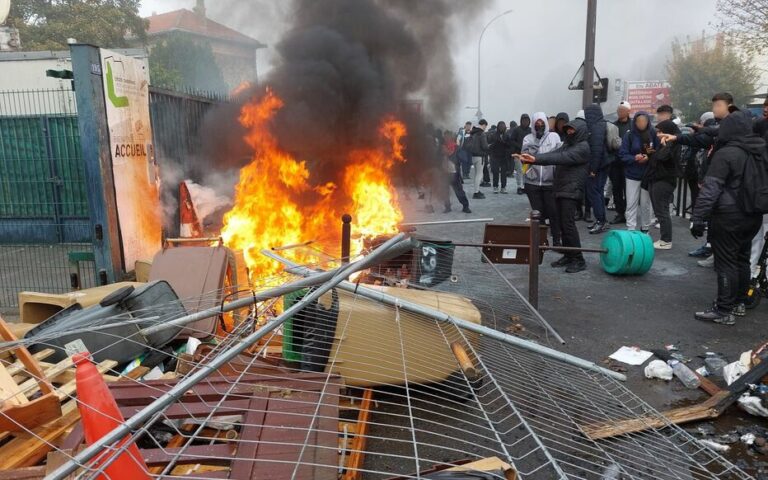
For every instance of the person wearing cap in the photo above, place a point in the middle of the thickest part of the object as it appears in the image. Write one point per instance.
(616, 170)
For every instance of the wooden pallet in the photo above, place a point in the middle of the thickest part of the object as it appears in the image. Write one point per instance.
(353, 434)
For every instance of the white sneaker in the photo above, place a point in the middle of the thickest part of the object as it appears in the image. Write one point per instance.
(708, 262)
(662, 245)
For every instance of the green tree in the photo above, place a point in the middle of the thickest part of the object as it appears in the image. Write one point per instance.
(47, 24)
(745, 22)
(701, 68)
(181, 60)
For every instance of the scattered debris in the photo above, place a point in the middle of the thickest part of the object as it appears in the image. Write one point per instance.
(715, 446)
(631, 355)
(748, 438)
(658, 369)
(753, 405)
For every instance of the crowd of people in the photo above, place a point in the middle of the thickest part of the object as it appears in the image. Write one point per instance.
(576, 169)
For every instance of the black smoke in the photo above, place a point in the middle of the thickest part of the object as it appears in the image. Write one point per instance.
(341, 67)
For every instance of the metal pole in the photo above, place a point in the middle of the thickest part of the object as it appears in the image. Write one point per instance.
(446, 222)
(205, 370)
(397, 249)
(346, 237)
(479, 113)
(533, 260)
(589, 54)
(419, 309)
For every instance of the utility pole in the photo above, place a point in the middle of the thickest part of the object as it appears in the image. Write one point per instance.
(589, 54)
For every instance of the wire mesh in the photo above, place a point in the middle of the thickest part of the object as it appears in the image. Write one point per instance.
(297, 403)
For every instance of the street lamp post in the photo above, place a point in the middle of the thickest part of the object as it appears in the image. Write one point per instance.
(479, 45)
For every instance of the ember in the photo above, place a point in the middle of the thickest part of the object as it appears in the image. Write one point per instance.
(271, 206)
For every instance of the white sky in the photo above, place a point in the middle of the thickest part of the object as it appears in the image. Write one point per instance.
(529, 56)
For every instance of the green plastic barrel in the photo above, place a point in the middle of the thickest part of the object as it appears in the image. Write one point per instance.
(289, 353)
(628, 253)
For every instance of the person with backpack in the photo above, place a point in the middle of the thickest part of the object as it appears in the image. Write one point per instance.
(733, 198)
(570, 161)
(603, 140)
(664, 169)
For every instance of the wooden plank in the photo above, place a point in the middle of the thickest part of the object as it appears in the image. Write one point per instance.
(17, 367)
(708, 409)
(10, 392)
(356, 456)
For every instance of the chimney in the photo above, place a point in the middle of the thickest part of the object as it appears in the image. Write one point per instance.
(200, 8)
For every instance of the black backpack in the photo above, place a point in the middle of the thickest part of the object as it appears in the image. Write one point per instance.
(753, 194)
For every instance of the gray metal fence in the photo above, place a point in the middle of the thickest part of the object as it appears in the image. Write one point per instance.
(44, 221)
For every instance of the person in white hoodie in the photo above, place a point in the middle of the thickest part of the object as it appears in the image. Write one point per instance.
(539, 179)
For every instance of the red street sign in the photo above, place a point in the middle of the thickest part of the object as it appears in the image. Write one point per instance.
(648, 96)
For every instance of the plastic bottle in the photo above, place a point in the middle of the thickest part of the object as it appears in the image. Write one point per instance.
(685, 374)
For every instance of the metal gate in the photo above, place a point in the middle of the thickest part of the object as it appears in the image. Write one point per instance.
(44, 220)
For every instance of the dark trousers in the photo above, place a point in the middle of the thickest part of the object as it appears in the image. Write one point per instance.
(486, 171)
(596, 194)
(454, 181)
(465, 162)
(618, 186)
(662, 193)
(731, 235)
(566, 208)
(543, 200)
(499, 169)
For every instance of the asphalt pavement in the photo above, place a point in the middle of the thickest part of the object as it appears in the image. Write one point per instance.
(597, 313)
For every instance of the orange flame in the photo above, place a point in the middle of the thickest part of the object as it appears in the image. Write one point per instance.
(268, 211)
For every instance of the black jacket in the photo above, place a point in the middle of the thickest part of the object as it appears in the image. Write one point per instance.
(735, 142)
(500, 144)
(596, 125)
(663, 166)
(561, 117)
(519, 133)
(478, 142)
(761, 128)
(571, 160)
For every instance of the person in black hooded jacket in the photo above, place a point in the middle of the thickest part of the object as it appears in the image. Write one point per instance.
(661, 178)
(561, 120)
(571, 161)
(732, 229)
(518, 134)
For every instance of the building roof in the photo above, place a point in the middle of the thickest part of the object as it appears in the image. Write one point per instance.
(184, 20)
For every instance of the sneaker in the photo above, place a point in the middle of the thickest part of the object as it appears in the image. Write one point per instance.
(662, 245)
(466, 209)
(576, 266)
(495, 189)
(708, 262)
(739, 310)
(504, 191)
(563, 262)
(703, 251)
(520, 191)
(478, 196)
(618, 219)
(447, 210)
(715, 315)
(599, 227)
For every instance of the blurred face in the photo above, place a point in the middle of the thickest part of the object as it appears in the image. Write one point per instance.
(560, 124)
(623, 113)
(642, 122)
(552, 123)
(467, 127)
(570, 131)
(720, 109)
(483, 126)
(765, 110)
(539, 127)
(663, 116)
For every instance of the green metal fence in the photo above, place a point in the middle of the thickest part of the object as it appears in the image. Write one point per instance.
(44, 220)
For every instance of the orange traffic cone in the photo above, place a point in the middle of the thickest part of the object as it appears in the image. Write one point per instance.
(100, 415)
(190, 225)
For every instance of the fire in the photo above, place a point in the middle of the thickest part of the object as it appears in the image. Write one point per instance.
(268, 208)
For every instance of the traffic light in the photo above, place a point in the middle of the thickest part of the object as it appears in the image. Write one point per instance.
(601, 95)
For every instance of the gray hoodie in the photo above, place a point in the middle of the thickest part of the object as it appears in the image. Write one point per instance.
(540, 175)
